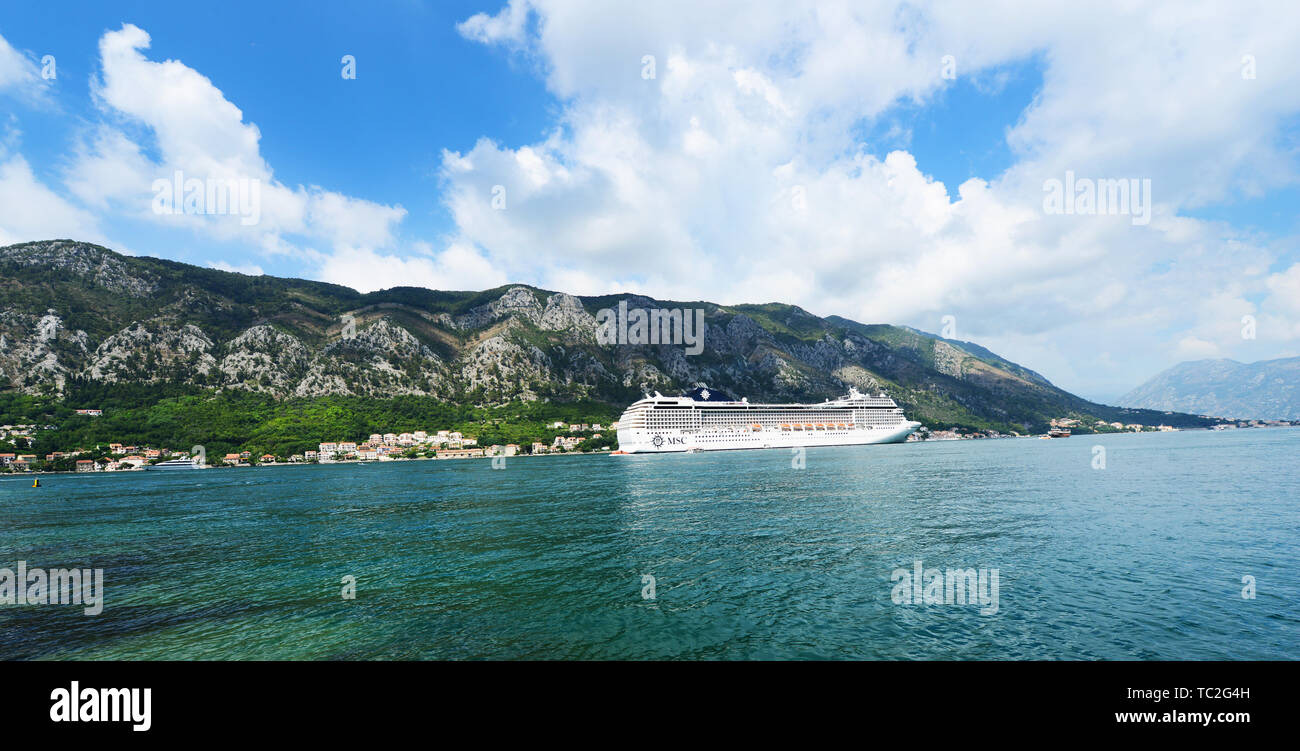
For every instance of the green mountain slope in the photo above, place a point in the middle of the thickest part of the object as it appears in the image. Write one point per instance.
(76, 319)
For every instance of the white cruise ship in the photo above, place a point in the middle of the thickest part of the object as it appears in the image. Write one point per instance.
(710, 420)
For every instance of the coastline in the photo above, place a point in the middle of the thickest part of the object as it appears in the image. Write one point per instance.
(45, 472)
(608, 452)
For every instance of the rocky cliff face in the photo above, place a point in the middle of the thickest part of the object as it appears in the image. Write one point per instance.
(86, 263)
(152, 352)
(264, 358)
(76, 312)
(34, 349)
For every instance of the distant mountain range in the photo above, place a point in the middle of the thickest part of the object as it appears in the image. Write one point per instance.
(1265, 390)
(75, 313)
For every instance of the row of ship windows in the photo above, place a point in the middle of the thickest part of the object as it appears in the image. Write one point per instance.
(749, 415)
(784, 420)
(865, 404)
(778, 417)
(783, 428)
(662, 421)
(725, 439)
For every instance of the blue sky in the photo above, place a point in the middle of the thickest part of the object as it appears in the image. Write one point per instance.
(960, 131)
(817, 155)
(421, 87)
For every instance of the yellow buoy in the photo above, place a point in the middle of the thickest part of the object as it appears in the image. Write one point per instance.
(36, 482)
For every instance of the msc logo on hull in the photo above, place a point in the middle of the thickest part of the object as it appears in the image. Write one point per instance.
(659, 441)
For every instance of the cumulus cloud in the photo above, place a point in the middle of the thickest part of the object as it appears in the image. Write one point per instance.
(506, 27)
(201, 138)
(169, 136)
(457, 267)
(251, 269)
(1285, 288)
(29, 210)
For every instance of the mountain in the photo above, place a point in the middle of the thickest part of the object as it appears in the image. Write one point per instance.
(1265, 390)
(75, 316)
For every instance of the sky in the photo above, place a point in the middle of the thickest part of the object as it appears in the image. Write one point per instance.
(931, 164)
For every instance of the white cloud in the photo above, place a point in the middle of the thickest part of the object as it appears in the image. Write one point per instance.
(193, 122)
(1192, 348)
(1285, 288)
(31, 211)
(506, 27)
(250, 269)
(193, 131)
(201, 135)
(351, 222)
(457, 267)
(109, 167)
(18, 73)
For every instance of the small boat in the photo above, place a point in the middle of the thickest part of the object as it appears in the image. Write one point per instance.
(1058, 433)
(172, 464)
(692, 450)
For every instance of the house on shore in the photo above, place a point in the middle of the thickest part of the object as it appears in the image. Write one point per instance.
(460, 453)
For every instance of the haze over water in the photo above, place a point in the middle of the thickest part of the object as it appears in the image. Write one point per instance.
(752, 559)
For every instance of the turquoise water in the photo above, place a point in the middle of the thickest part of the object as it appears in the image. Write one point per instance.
(751, 558)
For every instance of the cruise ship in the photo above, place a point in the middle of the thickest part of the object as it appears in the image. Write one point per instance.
(710, 420)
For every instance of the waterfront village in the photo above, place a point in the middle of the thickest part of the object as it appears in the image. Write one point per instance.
(1057, 424)
(419, 444)
(441, 444)
(1064, 425)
